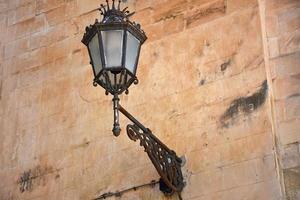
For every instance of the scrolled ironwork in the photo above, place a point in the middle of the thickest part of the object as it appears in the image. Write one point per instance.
(166, 162)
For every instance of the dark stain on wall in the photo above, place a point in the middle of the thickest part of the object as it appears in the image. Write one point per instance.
(35, 177)
(202, 82)
(25, 181)
(225, 65)
(244, 105)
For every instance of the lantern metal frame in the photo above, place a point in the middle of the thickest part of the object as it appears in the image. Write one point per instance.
(165, 160)
(114, 19)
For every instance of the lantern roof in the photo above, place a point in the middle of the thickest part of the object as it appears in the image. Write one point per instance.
(114, 15)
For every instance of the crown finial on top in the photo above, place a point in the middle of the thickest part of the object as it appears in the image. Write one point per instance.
(113, 12)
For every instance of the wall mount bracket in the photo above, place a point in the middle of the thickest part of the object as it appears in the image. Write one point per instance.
(166, 162)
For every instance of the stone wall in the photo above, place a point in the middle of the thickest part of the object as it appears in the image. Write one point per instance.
(213, 87)
(282, 22)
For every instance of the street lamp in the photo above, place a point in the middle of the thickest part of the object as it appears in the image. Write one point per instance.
(114, 46)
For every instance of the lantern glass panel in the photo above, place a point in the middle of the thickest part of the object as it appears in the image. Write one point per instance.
(132, 50)
(113, 46)
(95, 54)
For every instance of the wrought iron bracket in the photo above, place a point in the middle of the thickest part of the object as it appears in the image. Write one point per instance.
(165, 160)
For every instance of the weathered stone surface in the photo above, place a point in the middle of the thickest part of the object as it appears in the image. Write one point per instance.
(21, 13)
(292, 183)
(213, 86)
(286, 66)
(25, 28)
(227, 177)
(290, 155)
(167, 9)
(289, 42)
(289, 20)
(206, 12)
(287, 87)
(289, 131)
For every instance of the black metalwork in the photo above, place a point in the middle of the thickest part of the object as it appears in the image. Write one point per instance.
(120, 193)
(117, 79)
(116, 130)
(165, 160)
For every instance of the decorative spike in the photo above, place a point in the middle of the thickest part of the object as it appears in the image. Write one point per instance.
(124, 9)
(130, 14)
(119, 4)
(113, 5)
(104, 9)
(108, 8)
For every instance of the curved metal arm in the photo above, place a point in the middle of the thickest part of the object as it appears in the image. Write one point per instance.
(165, 160)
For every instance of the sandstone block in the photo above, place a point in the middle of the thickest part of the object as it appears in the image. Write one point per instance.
(292, 107)
(289, 20)
(3, 6)
(272, 26)
(224, 178)
(44, 6)
(274, 6)
(167, 9)
(289, 131)
(173, 25)
(258, 191)
(143, 4)
(85, 8)
(286, 87)
(16, 48)
(61, 13)
(273, 44)
(286, 66)
(22, 13)
(289, 156)
(8, 86)
(25, 28)
(289, 42)
(84, 20)
(26, 62)
(292, 183)
(234, 5)
(206, 13)
(144, 16)
(29, 96)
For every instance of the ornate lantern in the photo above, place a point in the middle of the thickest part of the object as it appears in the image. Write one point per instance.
(114, 46)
